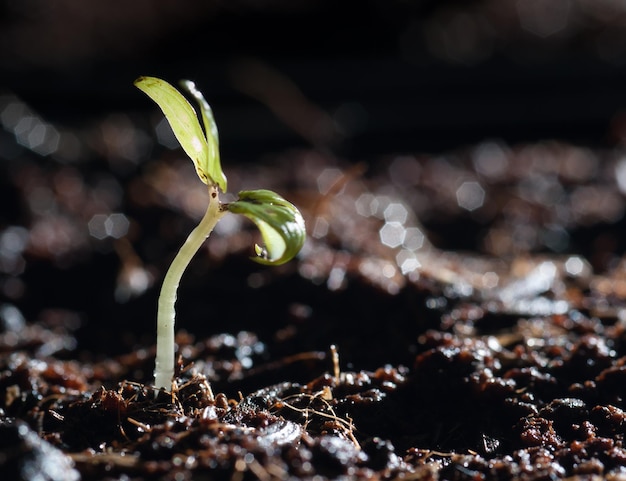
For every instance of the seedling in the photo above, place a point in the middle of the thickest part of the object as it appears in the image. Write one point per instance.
(280, 223)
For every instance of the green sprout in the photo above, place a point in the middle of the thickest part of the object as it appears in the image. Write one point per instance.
(280, 223)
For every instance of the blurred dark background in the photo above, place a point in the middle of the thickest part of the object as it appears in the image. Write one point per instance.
(490, 127)
(360, 78)
(498, 124)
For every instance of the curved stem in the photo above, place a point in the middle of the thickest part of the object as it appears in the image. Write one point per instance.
(166, 314)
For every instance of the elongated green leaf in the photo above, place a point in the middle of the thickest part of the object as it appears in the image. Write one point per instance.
(280, 222)
(183, 119)
(214, 166)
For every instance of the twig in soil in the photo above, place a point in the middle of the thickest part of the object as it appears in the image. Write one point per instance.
(124, 461)
(286, 361)
(143, 427)
(335, 356)
(346, 427)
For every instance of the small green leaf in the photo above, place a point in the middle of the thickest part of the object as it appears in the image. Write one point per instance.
(214, 166)
(185, 124)
(280, 222)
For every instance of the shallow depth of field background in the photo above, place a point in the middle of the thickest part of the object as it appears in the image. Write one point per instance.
(445, 97)
(360, 78)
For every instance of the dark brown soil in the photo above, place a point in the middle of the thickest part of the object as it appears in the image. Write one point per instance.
(445, 320)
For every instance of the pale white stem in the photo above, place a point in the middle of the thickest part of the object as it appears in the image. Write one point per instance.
(166, 314)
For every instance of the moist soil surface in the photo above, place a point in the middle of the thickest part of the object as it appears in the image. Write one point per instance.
(458, 318)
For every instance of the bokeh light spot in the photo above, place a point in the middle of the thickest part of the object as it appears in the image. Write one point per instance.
(413, 239)
(490, 160)
(574, 266)
(396, 212)
(392, 234)
(407, 262)
(327, 179)
(366, 204)
(470, 196)
(102, 226)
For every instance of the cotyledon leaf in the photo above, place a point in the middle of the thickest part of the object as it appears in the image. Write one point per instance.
(214, 166)
(279, 221)
(184, 121)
